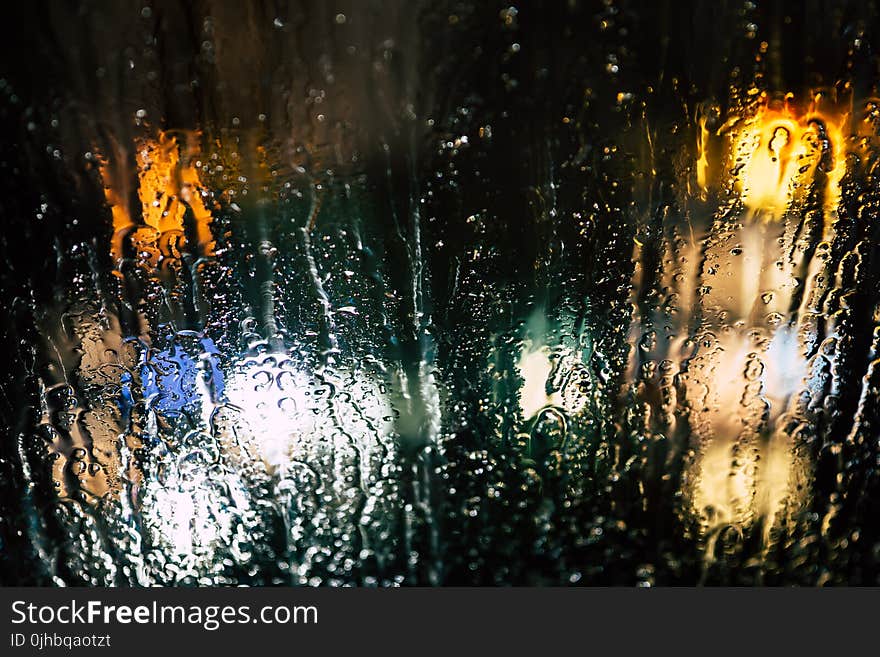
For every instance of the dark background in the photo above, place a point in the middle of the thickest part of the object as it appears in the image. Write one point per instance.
(570, 108)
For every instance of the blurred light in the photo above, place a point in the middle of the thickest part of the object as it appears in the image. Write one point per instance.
(168, 186)
(535, 367)
(273, 396)
(171, 377)
(778, 152)
(285, 405)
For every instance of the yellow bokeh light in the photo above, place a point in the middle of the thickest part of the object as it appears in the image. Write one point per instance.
(168, 185)
(780, 154)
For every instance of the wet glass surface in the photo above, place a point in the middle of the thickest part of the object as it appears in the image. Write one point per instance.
(367, 293)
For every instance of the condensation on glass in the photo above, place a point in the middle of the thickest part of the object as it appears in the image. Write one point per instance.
(456, 293)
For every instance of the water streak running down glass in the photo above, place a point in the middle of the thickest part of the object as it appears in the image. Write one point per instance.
(384, 294)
